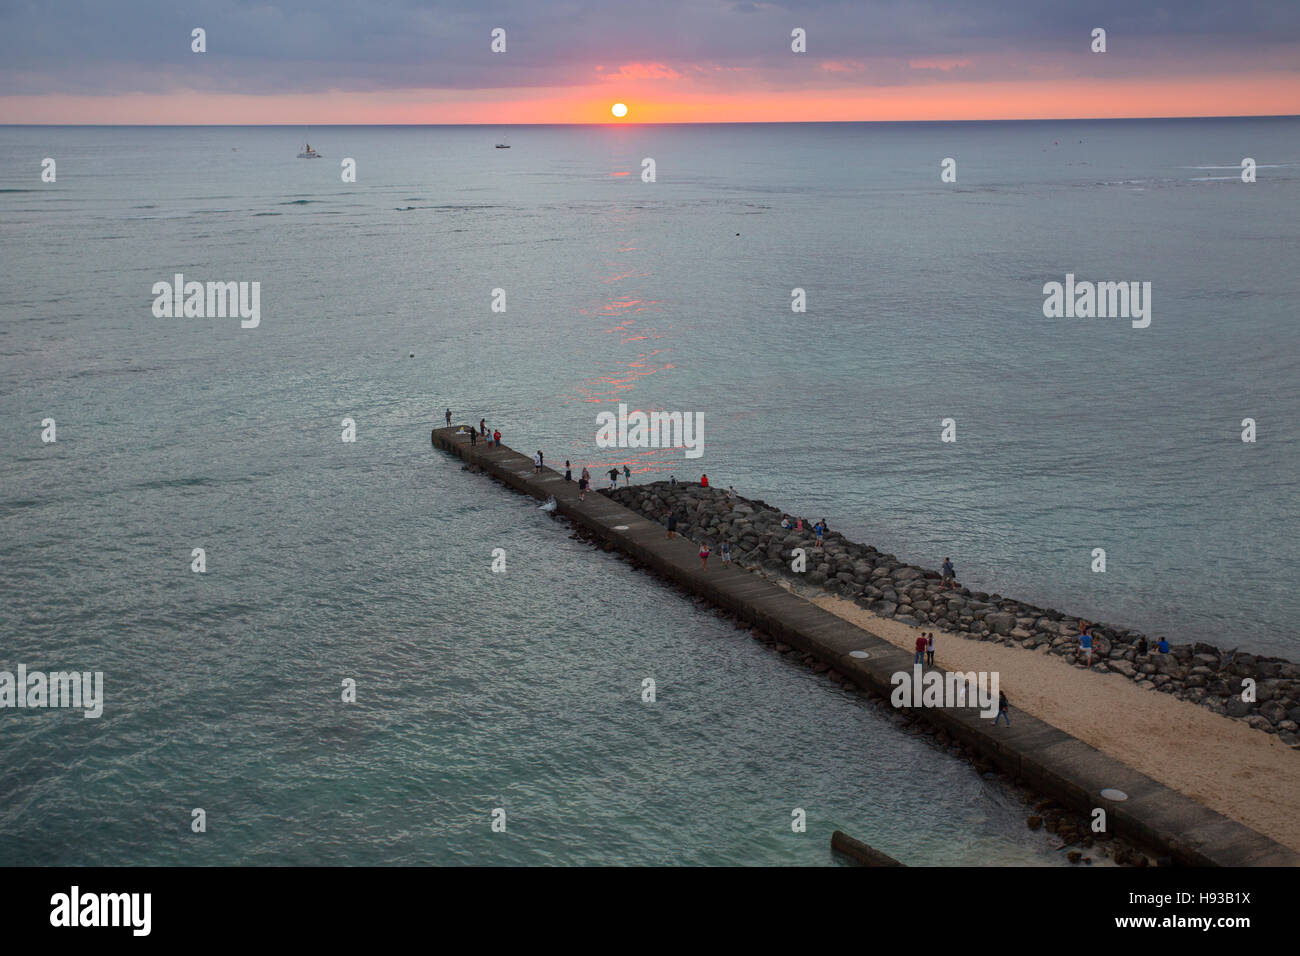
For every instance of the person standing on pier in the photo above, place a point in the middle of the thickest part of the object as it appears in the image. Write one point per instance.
(496, 438)
(473, 438)
(568, 470)
(819, 529)
(627, 476)
(537, 463)
(449, 418)
(920, 650)
(929, 648)
(704, 557)
(482, 427)
(704, 481)
(1085, 646)
(725, 554)
(582, 485)
(1004, 706)
(949, 573)
(613, 477)
(672, 524)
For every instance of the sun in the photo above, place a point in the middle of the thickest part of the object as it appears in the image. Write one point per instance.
(619, 110)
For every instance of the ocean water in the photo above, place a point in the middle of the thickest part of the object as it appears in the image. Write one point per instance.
(371, 560)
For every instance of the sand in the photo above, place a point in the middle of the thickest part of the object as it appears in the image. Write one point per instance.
(1223, 764)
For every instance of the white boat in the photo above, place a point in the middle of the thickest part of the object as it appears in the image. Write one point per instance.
(503, 145)
(308, 152)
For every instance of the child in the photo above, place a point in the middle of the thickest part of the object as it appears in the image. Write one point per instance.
(704, 557)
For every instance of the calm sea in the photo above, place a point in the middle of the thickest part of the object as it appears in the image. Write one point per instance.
(370, 560)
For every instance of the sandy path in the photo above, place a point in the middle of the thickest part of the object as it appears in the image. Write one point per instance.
(1223, 764)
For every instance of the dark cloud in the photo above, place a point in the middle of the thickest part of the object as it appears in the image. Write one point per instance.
(89, 46)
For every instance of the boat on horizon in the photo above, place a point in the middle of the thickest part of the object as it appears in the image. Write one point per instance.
(308, 152)
(503, 145)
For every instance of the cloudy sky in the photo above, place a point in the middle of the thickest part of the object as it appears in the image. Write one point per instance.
(567, 61)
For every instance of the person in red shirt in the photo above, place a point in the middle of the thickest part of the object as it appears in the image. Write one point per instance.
(920, 649)
(496, 438)
(704, 481)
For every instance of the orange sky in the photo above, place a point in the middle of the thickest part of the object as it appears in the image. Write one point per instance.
(1236, 94)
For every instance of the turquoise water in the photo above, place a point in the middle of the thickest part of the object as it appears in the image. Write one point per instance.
(371, 560)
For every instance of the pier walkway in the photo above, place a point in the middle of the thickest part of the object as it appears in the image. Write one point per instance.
(1048, 759)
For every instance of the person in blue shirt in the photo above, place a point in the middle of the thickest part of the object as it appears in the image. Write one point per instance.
(1163, 646)
(1085, 645)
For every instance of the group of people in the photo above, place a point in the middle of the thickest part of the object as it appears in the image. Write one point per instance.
(1086, 638)
(819, 530)
(1162, 646)
(494, 439)
(925, 649)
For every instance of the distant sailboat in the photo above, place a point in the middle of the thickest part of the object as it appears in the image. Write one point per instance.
(503, 145)
(308, 152)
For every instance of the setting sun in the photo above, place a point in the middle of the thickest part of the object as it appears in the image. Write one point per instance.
(619, 110)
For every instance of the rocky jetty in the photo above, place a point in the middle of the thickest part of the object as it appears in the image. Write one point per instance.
(1200, 673)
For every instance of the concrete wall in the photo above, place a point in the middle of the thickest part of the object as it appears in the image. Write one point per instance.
(1046, 758)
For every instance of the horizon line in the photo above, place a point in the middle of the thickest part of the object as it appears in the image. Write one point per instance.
(925, 122)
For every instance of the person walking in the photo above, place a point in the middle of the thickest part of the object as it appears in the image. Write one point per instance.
(725, 554)
(568, 470)
(929, 648)
(920, 650)
(582, 485)
(704, 557)
(1003, 708)
(672, 524)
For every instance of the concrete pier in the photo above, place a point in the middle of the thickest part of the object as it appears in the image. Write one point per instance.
(1042, 756)
(856, 850)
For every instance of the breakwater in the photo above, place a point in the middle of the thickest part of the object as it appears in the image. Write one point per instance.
(1033, 752)
(1200, 673)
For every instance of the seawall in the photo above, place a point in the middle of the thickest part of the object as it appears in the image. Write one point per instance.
(1043, 757)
